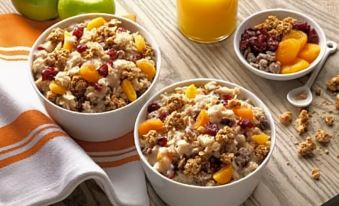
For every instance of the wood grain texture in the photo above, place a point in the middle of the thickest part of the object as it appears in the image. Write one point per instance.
(287, 178)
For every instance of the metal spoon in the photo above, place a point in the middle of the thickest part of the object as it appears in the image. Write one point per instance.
(302, 96)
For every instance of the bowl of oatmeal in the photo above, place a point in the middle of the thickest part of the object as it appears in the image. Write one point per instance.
(280, 44)
(93, 73)
(204, 142)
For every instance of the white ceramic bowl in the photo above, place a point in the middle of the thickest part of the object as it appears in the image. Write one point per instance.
(259, 17)
(179, 194)
(97, 126)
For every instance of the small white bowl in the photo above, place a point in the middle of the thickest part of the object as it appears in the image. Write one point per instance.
(258, 18)
(97, 126)
(179, 194)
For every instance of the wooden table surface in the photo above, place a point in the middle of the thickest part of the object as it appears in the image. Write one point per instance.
(287, 178)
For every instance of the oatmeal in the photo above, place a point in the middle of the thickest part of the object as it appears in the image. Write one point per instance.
(204, 135)
(93, 66)
(280, 46)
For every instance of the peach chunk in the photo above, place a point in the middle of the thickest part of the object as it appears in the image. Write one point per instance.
(244, 113)
(296, 66)
(310, 52)
(150, 124)
(191, 91)
(56, 88)
(224, 175)
(202, 119)
(89, 73)
(287, 51)
(298, 35)
(68, 44)
(139, 43)
(147, 67)
(260, 138)
(129, 90)
(95, 23)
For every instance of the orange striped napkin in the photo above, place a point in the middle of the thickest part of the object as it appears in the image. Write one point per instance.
(39, 163)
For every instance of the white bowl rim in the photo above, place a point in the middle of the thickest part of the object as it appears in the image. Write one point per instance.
(321, 35)
(150, 37)
(200, 80)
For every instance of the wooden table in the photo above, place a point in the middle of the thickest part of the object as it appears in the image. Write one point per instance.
(287, 178)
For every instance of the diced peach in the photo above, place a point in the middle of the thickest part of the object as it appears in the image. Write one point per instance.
(129, 90)
(191, 91)
(89, 73)
(147, 67)
(139, 43)
(95, 23)
(68, 44)
(202, 119)
(131, 17)
(260, 138)
(56, 88)
(244, 112)
(224, 175)
(287, 51)
(150, 124)
(310, 52)
(297, 65)
(298, 35)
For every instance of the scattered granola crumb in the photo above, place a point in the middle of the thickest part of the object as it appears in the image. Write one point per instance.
(337, 102)
(317, 91)
(322, 137)
(288, 163)
(301, 122)
(338, 155)
(306, 147)
(329, 120)
(327, 152)
(333, 84)
(315, 173)
(286, 118)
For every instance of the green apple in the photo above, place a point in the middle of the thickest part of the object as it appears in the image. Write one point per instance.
(40, 10)
(68, 8)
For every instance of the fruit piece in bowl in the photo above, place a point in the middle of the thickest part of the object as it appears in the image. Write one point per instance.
(214, 138)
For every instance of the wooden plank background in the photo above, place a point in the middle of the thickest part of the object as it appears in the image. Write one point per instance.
(287, 178)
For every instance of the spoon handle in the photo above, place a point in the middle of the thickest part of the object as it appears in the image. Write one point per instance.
(331, 47)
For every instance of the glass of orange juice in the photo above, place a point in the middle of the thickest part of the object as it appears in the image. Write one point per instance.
(207, 21)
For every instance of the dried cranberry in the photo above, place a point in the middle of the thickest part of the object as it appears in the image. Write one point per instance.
(40, 48)
(245, 123)
(103, 70)
(313, 37)
(162, 141)
(81, 48)
(163, 115)
(195, 114)
(214, 164)
(226, 121)
(112, 53)
(96, 86)
(78, 32)
(302, 26)
(225, 98)
(212, 129)
(49, 73)
(153, 107)
(121, 29)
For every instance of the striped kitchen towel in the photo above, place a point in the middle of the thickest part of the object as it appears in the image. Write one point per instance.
(39, 163)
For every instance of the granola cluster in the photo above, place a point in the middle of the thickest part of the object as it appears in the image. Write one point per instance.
(93, 66)
(306, 147)
(333, 84)
(204, 135)
(302, 121)
(276, 26)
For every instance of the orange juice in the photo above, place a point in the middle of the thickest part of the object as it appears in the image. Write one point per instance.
(207, 20)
